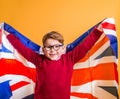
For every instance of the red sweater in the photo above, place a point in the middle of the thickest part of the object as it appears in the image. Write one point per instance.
(54, 77)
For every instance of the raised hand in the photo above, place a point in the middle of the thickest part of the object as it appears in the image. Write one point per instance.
(100, 28)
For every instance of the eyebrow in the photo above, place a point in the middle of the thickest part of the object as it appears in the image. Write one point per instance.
(54, 45)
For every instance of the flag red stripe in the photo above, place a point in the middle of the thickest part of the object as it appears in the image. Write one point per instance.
(83, 95)
(85, 75)
(95, 48)
(12, 66)
(110, 26)
(18, 85)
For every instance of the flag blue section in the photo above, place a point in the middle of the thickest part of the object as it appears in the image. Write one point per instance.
(114, 44)
(72, 45)
(27, 42)
(4, 49)
(113, 41)
(5, 91)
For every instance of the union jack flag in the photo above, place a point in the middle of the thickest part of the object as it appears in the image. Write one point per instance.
(17, 75)
(94, 77)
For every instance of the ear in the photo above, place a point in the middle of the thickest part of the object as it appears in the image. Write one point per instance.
(64, 49)
(42, 50)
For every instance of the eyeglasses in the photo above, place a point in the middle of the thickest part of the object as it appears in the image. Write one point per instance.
(55, 47)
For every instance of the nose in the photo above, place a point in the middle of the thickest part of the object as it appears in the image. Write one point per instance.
(52, 49)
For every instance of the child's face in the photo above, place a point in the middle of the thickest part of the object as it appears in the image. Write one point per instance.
(53, 49)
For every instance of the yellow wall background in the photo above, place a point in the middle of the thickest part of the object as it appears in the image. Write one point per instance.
(33, 18)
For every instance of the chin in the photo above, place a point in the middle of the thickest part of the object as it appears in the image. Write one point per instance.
(55, 58)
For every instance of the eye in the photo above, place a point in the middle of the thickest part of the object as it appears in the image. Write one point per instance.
(47, 47)
(56, 46)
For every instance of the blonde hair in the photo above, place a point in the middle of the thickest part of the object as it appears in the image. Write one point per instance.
(53, 35)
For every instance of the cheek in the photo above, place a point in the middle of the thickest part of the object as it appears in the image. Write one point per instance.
(45, 53)
(61, 51)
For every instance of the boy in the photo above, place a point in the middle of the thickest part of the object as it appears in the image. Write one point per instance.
(54, 68)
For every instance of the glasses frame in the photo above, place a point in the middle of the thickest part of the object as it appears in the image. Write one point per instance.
(55, 47)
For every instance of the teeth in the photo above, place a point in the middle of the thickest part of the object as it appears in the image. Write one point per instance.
(52, 54)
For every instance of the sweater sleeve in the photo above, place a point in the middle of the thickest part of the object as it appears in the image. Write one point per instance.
(23, 50)
(81, 49)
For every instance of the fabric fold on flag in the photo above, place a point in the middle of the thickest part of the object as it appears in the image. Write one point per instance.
(14, 68)
(95, 76)
(22, 38)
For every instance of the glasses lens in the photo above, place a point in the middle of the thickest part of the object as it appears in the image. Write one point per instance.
(47, 48)
(55, 47)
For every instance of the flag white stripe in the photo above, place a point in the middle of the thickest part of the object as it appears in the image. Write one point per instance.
(109, 20)
(23, 92)
(110, 32)
(96, 90)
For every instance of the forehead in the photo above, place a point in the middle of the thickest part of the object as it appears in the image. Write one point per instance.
(51, 42)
